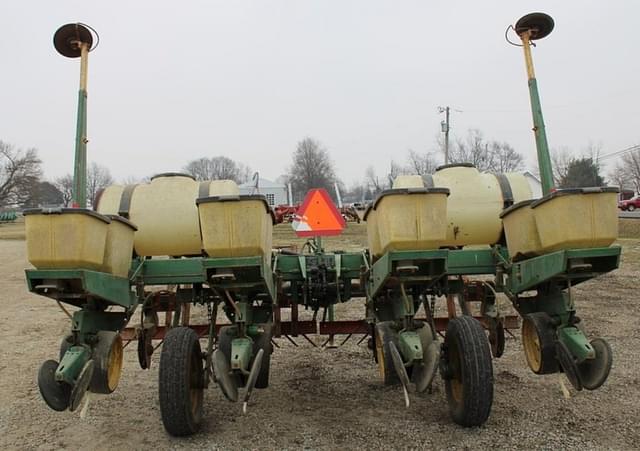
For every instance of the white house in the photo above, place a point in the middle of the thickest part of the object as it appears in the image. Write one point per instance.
(276, 193)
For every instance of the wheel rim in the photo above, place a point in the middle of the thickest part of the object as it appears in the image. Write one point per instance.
(532, 347)
(114, 368)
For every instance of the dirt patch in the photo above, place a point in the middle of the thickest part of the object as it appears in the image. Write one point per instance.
(12, 230)
(322, 398)
(629, 227)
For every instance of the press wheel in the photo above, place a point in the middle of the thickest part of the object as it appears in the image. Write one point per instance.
(181, 385)
(384, 335)
(468, 371)
(538, 341)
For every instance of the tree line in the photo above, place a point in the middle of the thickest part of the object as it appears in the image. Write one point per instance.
(22, 183)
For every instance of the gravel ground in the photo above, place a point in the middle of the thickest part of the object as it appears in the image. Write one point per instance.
(326, 398)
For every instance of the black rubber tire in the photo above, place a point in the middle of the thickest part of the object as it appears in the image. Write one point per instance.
(57, 395)
(181, 382)
(469, 381)
(263, 341)
(631, 207)
(546, 333)
(107, 354)
(384, 335)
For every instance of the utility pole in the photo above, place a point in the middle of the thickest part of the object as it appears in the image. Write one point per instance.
(445, 129)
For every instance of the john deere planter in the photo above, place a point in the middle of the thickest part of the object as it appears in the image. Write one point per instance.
(149, 253)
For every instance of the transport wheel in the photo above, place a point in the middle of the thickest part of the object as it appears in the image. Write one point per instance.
(181, 382)
(263, 341)
(538, 341)
(384, 336)
(593, 373)
(568, 364)
(107, 356)
(56, 394)
(468, 371)
(422, 374)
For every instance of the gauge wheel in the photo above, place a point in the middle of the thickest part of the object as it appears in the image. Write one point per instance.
(384, 335)
(538, 341)
(468, 371)
(181, 382)
(108, 356)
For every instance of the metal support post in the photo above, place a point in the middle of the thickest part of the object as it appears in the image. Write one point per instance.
(80, 162)
(544, 160)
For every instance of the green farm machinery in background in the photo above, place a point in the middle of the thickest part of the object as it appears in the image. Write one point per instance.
(261, 295)
(8, 216)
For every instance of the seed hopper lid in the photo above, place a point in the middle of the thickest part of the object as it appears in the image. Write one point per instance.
(122, 220)
(455, 165)
(66, 211)
(571, 191)
(236, 198)
(172, 174)
(516, 206)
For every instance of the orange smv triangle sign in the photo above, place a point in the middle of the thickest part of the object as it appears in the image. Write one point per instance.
(318, 216)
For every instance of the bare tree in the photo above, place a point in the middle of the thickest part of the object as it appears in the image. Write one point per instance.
(373, 181)
(65, 186)
(505, 158)
(489, 156)
(218, 168)
(560, 160)
(421, 164)
(311, 167)
(619, 176)
(630, 168)
(473, 149)
(19, 171)
(98, 178)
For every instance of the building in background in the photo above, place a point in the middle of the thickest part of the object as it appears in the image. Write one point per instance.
(276, 193)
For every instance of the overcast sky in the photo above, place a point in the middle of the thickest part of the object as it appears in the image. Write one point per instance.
(173, 81)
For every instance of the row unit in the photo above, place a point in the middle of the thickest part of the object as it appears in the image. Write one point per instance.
(414, 217)
(227, 225)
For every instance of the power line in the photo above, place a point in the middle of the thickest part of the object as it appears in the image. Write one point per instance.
(619, 153)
